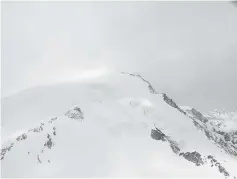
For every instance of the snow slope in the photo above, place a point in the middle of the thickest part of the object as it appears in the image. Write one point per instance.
(226, 120)
(118, 126)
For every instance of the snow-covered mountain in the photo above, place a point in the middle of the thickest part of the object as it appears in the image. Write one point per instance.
(224, 119)
(115, 126)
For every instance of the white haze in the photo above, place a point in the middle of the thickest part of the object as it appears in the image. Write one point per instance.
(187, 49)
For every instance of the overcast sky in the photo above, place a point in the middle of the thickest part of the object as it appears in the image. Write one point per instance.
(188, 50)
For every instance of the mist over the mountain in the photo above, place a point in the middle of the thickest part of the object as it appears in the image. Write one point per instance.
(187, 49)
(119, 89)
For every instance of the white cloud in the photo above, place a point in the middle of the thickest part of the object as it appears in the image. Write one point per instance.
(183, 48)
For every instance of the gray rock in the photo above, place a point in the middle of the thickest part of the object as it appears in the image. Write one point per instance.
(218, 165)
(158, 135)
(194, 157)
(52, 120)
(6, 149)
(21, 137)
(49, 142)
(175, 147)
(75, 113)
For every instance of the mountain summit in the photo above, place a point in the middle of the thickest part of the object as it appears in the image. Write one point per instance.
(119, 126)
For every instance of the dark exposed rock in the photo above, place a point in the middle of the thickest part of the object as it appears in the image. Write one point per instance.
(78, 109)
(75, 113)
(218, 165)
(169, 101)
(52, 120)
(21, 137)
(234, 141)
(227, 137)
(228, 147)
(198, 115)
(49, 142)
(208, 134)
(197, 124)
(194, 157)
(5, 149)
(222, 139)
(158, 135)
(54, 130)
(151, 89)
(230, 140)
(172, 103)
(174, 147)
(37, 129)
(38, 159)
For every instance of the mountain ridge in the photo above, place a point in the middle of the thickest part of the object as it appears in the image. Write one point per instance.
(156, 132)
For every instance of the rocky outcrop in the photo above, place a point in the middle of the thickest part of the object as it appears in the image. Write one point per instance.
(76, 114)
(151, 89)
(21, 137)
(227, 141)
(221, 169)
(158, 135)
(6, 149)
(194, 157)
(37, 129)
(52, 120)
(54, 130)
(228, 136)
(49, 142)
(172, 103)
(224, 140)
(196, 114)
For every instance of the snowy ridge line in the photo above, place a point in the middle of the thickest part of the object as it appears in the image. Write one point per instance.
(62, 137)
(153, 91)
(194, 157)
(74, 113)
(224, 140)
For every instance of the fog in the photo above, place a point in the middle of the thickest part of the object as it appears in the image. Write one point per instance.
(187, 50)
